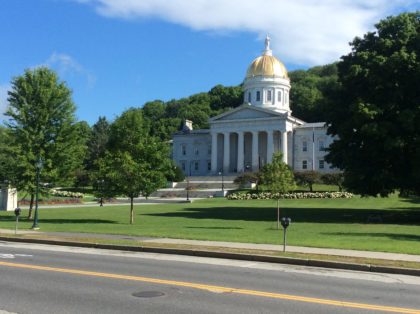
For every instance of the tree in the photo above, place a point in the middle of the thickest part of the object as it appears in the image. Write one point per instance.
(333, 179)
(42, 123)
(378, 117)
(278, 178)
(135, 162)
(98, 142)
(307, 178)
(312, 91)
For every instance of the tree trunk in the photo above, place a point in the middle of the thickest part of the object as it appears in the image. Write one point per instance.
(131, 210)
(310, 187)
(31, 205)
(278, 215)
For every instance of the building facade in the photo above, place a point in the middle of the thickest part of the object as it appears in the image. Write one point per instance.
(245, 138)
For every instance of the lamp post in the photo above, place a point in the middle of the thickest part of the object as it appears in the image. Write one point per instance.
(223, 183)
(188, 181)
(38, 167)
(101, 190)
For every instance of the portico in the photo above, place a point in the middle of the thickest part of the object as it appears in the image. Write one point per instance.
(240, 144)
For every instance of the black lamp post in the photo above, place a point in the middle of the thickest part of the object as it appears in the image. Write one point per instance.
(38, 167)
(188, 181)
(223, 183)
(101, 189)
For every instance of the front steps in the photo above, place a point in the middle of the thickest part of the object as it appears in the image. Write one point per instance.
(199, 187)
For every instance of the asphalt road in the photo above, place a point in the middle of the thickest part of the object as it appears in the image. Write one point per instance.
(51, 279)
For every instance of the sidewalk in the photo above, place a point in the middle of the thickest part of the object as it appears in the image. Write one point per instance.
(237, 245)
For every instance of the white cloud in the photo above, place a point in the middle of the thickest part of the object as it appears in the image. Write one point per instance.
(67, 65)
(3, 99)
(303, 31)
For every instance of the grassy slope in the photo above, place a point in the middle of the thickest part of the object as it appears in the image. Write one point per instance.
(337, 223)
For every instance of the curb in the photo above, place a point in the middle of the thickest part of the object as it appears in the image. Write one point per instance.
(234, 256)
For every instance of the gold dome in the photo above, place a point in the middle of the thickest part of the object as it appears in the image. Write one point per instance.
(266, 65)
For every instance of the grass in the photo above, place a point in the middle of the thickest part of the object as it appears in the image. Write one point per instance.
(334, 223)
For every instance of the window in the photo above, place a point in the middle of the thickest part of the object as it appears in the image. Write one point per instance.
(184, 149)
(196, 151)
(304, 146)
(209, 165)
(304, 164)
(321, 146)
(321, 164)
(196, 165)
(269, 95)
(183, 165)
(249, 96)
(258, 96)
(279, 96)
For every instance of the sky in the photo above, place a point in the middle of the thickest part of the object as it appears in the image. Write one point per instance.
(117, 54)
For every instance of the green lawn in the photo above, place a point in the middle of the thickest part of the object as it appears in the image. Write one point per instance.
(336, 223)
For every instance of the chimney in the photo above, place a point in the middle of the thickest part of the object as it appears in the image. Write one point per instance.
(188, 126)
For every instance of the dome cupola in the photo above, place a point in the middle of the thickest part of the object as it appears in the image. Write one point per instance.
(266, 82)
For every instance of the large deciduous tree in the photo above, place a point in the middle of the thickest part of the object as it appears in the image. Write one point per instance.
(378, 119)
(42, 123)
(135, 162)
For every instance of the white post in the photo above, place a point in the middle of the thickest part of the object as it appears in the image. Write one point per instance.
(284, 146)
(240, 165)
(226, 153)
(270, 146)
(255, 151)
(214, 169)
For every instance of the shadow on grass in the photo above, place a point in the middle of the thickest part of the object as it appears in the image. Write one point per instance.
(217, 228)
(403, 216)
(393, 236)
(59, 221)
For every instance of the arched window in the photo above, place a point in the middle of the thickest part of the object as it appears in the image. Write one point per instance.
(279, 96)
(258, 98)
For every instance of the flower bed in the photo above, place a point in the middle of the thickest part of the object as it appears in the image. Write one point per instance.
(61, 193)
(297, 195)
(53, 201)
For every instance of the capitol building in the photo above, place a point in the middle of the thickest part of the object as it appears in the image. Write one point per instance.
(245, 138)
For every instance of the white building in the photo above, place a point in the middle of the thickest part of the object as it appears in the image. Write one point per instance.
(245, 138)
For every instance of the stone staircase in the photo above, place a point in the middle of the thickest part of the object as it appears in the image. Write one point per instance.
(199, 187)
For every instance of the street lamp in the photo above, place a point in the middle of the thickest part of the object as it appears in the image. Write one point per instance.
(101, 191)
(38, 167)
(188, 182)
(223, 183)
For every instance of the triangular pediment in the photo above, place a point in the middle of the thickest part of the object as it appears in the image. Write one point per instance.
(246, 112)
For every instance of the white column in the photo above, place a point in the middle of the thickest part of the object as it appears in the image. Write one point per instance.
(254, 150)
(240, 165)
(284, 146)
(214, 169)
(226, 152)
(270, 146)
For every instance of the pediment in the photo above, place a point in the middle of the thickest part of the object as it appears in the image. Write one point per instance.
(244, 113)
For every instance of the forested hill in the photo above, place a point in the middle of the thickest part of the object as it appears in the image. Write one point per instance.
(311, 90)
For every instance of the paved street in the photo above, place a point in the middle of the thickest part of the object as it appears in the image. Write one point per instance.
(54, 279)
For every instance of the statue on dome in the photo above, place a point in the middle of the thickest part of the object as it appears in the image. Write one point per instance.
(267, 43)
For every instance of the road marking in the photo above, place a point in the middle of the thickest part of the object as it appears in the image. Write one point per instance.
(12, 256)
(219, 289)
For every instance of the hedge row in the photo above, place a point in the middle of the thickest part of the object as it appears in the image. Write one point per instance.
(297, 195)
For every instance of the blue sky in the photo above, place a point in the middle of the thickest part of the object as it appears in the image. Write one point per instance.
(118, 54)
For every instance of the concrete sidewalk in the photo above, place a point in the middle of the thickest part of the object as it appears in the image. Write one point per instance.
(236, 245)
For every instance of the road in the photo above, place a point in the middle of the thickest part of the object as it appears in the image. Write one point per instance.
(53, 279)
